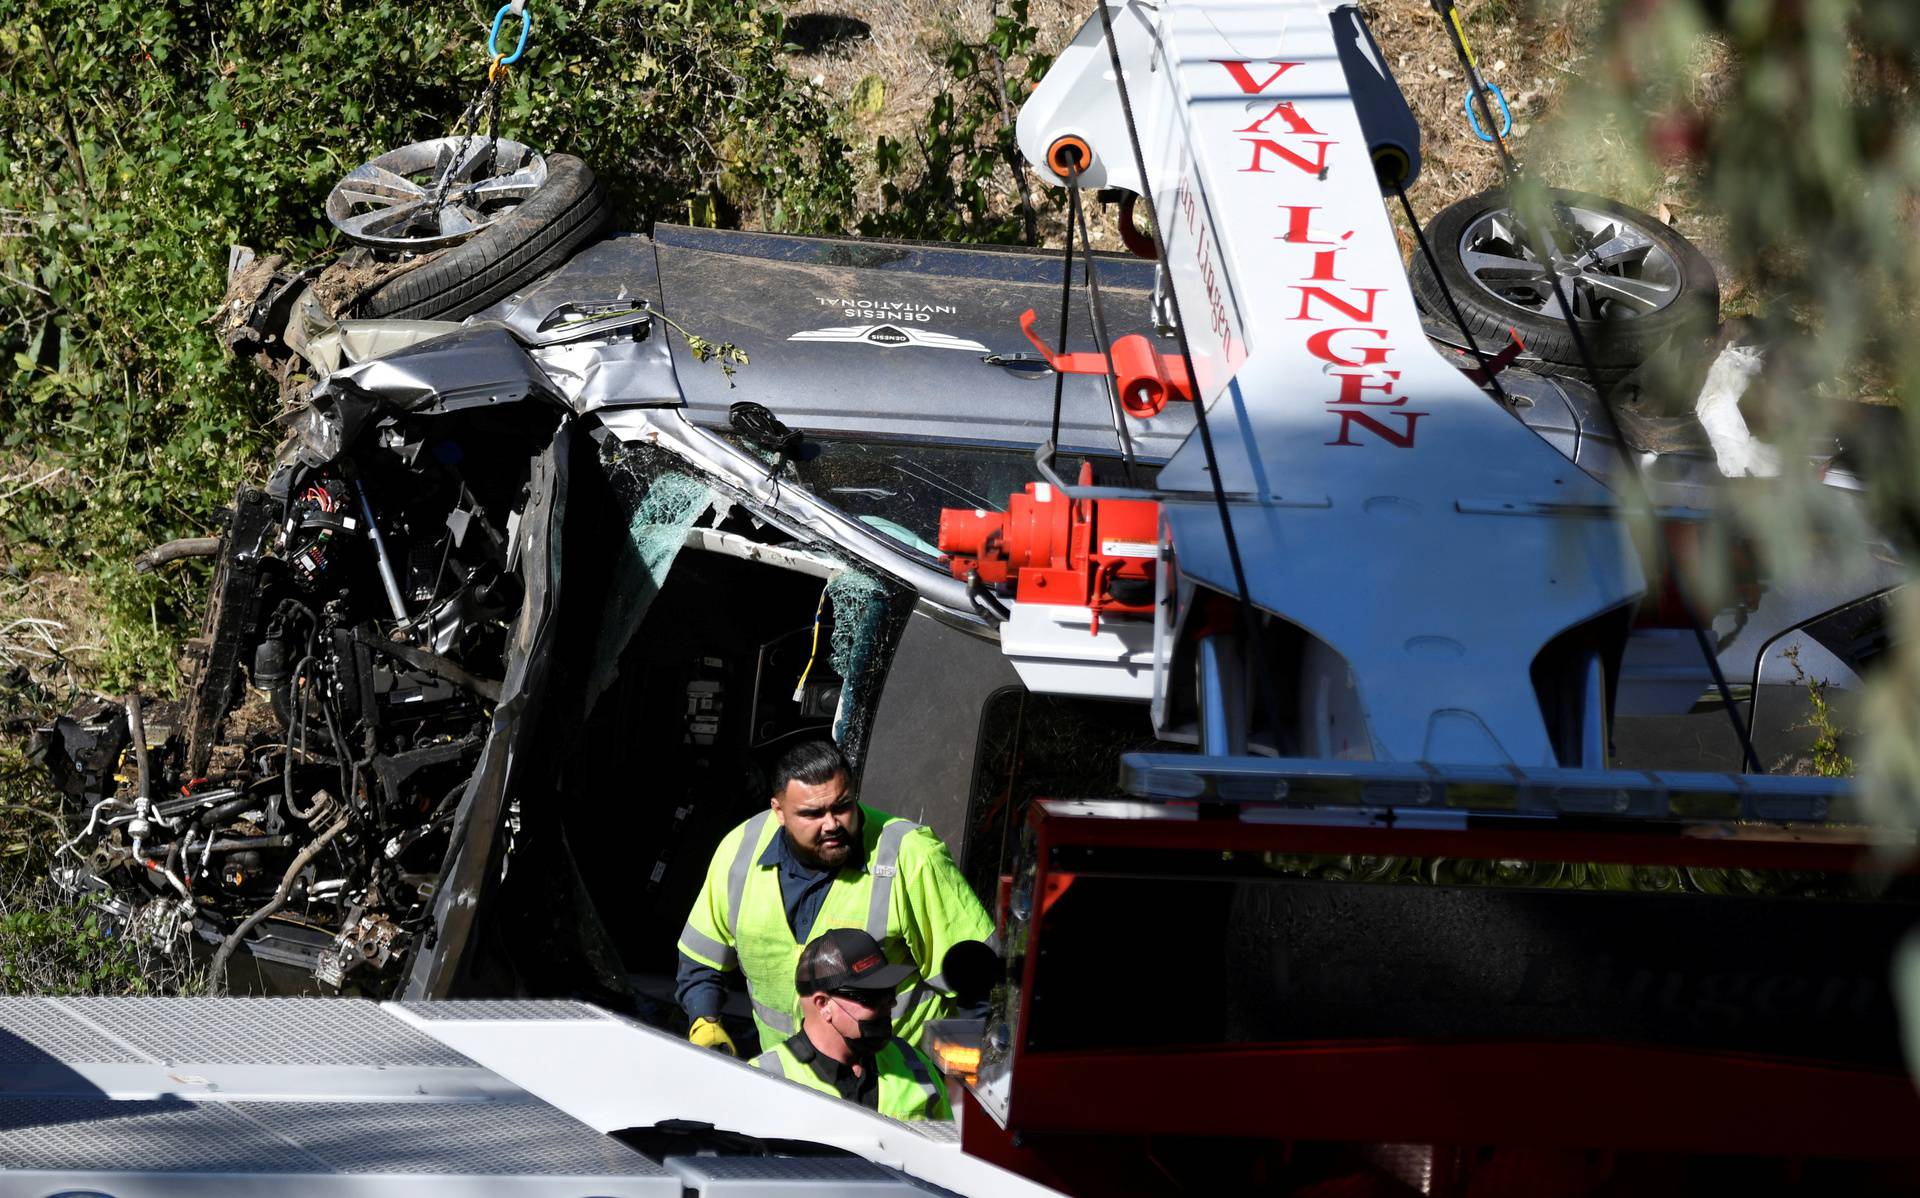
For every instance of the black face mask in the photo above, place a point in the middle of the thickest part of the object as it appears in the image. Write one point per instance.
(874, 1034)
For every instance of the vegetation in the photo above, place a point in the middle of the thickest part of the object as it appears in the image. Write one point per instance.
(950, 183)
(1797, 126)
(52, 943)
(137, 142)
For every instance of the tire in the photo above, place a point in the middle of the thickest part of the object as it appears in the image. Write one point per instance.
(538, 236)
(1619, 333)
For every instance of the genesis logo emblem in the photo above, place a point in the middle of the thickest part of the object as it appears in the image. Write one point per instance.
(888, 336)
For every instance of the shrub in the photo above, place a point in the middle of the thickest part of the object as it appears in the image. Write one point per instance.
(137, 142)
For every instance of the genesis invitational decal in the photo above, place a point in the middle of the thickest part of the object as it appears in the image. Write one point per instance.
(888, 336)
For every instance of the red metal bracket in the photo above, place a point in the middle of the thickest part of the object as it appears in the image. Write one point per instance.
(1497, 362)
(1147, 378)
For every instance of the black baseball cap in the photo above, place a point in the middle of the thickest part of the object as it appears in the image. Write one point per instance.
(846, 959)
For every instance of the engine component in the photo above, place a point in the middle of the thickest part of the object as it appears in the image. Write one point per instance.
(322, 513)
(270, 664)
(369, 944)
(161, 924)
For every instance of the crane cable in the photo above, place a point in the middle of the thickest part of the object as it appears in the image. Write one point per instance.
(1097, 315)
(1640, 494)
(1066, 305)
(1487, 369)
(1249, 622)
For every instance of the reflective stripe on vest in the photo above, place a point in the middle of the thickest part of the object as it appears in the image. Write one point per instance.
(937, 983)
(908, 998)
(722, 955)
(757, 919)
(779, 1021)
(918, 1068)
(884, 867)
(901, 1071)
(737, 872)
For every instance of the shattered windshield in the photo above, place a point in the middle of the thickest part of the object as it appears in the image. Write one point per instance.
(899, 489)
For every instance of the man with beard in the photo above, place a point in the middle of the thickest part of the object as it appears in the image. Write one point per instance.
(846, 1044)
(818, 859)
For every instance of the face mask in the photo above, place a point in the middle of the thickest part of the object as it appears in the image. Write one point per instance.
(872, 1033)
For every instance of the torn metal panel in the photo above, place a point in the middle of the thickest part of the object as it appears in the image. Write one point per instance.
(474, 366)
(808, 517)
(631, 367)
(351, 342)
(475, 847)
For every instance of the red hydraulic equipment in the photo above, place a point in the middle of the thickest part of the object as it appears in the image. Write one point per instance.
(1092, 553)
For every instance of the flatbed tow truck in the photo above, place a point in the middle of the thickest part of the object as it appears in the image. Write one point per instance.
(1389, 618)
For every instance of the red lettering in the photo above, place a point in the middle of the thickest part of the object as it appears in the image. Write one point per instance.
(1320, 345)
(1354, 311)
(1402, 439)
(1238, 69)
(1351, 386)
(1264, 144)
(1299, 216)
(1286, 112)
(1323, 266)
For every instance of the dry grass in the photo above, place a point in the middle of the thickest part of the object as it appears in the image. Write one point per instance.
(52, 628)
(902, 50)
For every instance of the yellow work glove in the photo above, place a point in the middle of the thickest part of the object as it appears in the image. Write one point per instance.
(708, 1033)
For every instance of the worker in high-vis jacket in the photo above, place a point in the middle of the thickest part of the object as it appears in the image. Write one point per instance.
(818, 859)
(845, 1044)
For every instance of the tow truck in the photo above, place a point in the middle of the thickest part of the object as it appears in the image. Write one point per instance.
(1370, 908)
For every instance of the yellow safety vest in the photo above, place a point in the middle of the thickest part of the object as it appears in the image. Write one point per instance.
(909, 1087)
(911, 898)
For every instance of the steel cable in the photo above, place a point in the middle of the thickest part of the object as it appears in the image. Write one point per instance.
(1249, 622)
(1066, 306)
(1433, 263)
(217, 971)
(1098, 316)
(1450, 19)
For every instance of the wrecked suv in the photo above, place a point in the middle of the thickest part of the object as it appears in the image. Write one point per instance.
(572, 534)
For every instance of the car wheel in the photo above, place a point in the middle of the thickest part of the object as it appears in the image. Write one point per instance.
(1633, 283)
(567, 209)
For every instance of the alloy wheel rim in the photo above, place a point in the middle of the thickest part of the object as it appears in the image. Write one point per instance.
(1609, 268)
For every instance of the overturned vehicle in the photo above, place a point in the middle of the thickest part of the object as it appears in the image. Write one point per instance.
(571, 534)
(538, 585)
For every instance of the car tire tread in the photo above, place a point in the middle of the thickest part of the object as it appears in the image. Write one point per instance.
(542, 233)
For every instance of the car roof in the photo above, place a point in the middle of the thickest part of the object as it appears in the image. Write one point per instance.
(871, 339)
